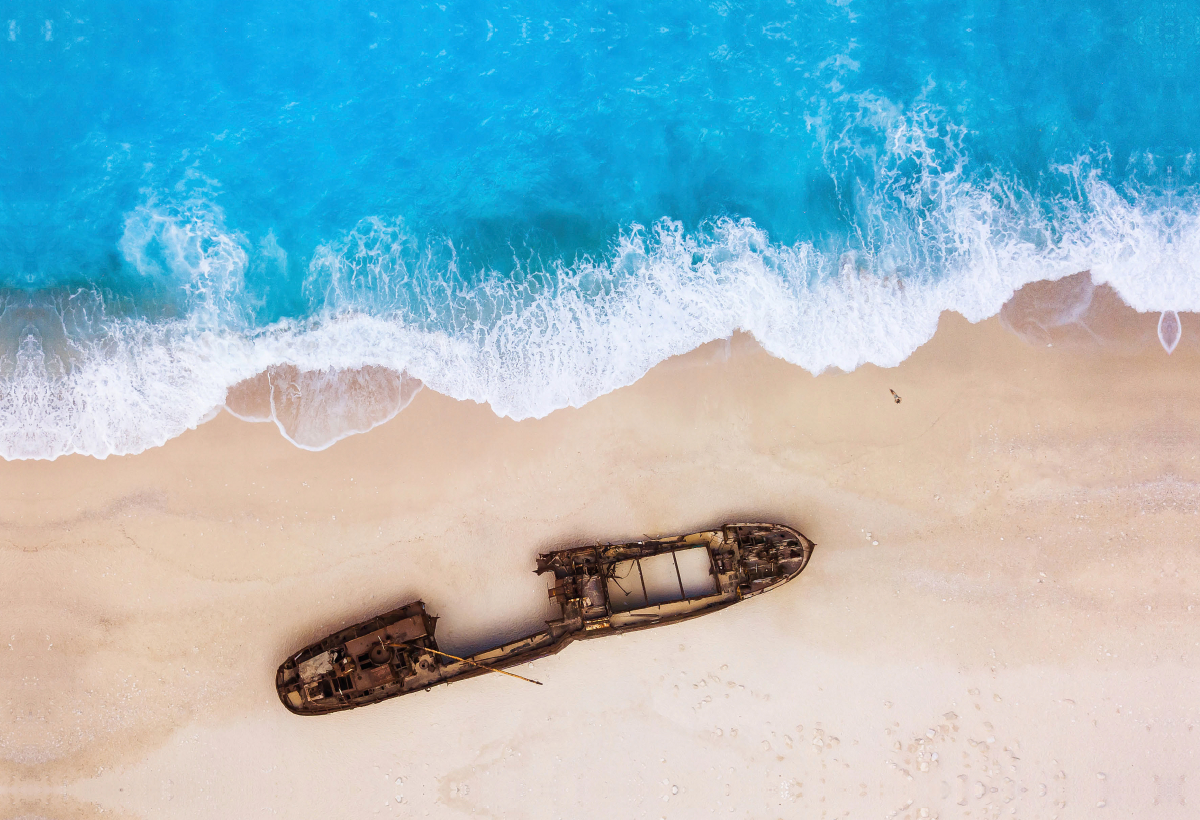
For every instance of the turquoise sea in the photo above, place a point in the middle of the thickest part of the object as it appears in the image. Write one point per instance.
(530, 204)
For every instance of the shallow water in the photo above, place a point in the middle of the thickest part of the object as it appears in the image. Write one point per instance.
(530, 204)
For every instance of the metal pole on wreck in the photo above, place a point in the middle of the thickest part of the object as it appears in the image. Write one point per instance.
(473, 663)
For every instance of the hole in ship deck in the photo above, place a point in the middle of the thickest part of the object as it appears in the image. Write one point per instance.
(661, 579)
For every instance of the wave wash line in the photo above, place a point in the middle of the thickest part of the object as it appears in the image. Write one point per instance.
(528, 342)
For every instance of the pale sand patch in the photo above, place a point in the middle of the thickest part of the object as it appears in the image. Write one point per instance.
(1029, 612)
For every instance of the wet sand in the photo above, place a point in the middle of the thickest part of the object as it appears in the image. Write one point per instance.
(1001, 613)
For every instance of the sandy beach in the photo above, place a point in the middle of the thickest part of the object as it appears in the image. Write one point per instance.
(1000, 618)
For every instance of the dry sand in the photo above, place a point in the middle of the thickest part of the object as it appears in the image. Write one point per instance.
(1000, 618)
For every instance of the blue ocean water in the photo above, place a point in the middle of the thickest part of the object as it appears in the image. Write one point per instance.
(530, 204)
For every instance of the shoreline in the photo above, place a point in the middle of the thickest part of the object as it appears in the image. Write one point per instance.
(157, 593)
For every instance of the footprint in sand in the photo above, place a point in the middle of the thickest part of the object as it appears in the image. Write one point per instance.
(990, 776)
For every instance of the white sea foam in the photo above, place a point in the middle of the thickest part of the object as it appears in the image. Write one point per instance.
(184, 246)
(528, 342)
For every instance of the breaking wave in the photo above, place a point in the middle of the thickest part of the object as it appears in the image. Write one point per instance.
(389, 310)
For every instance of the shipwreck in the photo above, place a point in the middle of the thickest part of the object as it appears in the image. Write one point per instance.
(601, 590)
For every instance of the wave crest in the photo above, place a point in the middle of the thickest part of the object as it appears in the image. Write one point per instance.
(390, 310)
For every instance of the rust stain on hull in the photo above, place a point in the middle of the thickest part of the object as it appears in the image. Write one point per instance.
(601, 590)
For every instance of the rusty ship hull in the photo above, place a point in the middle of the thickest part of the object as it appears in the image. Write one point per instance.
(601, 590)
